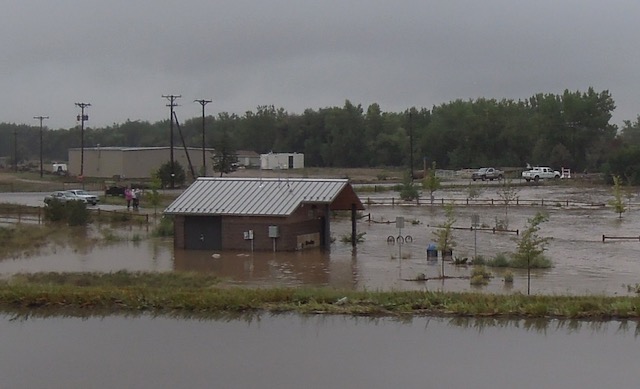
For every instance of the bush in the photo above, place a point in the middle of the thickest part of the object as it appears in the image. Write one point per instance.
(508, 277)
(77, 213)
(164, 228)
(74, 212)
(55, 211)
(500, 260)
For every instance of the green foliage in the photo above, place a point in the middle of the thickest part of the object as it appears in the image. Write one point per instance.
(409, 191)
(153, 197)
(569, 128)
(618, 202)
(508, 277)
(164, 174)
(500, 260)
(444, 234)
(75, 213)
(164, 228)
(508, 194)
(431, 182)
(530, 246)
(55, 211)
(225, 159)
(346, 238)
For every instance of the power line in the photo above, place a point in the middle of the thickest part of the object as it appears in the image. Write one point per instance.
(172, 103)
(82, 117)
(41, 118)
(203, 102)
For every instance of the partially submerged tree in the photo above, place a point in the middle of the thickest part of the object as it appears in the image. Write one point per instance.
(618, 202)
(431, 181)
(408, 191)
(508, 194)
(531, 246)
(444, 234)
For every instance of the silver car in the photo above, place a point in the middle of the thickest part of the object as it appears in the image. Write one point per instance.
(89, 198)
(63, 196)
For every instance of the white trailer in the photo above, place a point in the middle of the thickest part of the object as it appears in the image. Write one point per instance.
(274, 161)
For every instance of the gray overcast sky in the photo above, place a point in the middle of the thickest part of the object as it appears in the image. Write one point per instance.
(122, 56)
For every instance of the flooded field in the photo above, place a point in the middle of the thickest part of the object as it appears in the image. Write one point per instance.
(583, 264)
(292, 351)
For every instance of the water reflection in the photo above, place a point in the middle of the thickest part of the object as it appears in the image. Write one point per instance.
(292, 351)
(309, 267)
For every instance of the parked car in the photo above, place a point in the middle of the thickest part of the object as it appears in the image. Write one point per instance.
(62, 196)
(487, 173)
(114, 190)
(540, 173)
(89, 198)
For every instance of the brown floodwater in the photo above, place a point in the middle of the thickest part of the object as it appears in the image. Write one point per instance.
(582, 262)
(293, 351)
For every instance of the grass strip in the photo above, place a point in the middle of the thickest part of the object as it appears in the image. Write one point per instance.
(191, 294)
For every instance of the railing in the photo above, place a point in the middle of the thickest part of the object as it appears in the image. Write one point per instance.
(16, 214)
(393, 201)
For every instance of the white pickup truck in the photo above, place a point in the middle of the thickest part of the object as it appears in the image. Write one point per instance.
(540, 173)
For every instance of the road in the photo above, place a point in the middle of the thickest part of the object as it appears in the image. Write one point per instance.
(35, 199)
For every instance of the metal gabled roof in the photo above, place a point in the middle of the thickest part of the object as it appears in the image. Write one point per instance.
(254, 196)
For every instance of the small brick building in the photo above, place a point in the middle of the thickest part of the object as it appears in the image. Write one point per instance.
(280, 214)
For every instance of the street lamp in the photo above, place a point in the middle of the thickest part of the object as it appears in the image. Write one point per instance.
(204, 164)
(41, 118)
(82, 117)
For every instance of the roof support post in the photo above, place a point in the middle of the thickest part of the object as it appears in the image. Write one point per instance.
(353, 225)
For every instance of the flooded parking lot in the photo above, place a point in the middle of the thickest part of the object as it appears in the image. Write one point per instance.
(583, 264)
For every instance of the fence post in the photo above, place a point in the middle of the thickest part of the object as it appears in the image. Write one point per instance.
(603, 238)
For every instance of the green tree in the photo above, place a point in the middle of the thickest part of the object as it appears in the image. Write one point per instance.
(431, 182)
(618, 193)
(409, 191)
(444, 234)
(225, 159)
(164, 173)
(508, 194)
(530, 245)
(153, 197)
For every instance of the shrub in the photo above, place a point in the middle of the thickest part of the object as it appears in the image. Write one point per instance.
(508, 277)
(74, 212)
(478, 280)
(77, 213)
(164, 228)
(55, 211)
(347, 237)
(500, 260)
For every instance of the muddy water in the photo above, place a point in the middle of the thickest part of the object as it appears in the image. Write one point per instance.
(582, 263)
(291, 351)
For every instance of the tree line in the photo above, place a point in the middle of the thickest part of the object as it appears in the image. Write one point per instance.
(571, 130)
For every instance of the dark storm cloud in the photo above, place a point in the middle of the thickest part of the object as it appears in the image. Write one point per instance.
(123, 55)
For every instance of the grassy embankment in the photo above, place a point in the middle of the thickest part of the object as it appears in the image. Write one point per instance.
(199, 294)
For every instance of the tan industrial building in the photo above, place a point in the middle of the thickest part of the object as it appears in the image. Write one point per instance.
(135, 162)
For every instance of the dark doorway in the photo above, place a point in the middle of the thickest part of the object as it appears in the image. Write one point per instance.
(203, 233)
(291, 162)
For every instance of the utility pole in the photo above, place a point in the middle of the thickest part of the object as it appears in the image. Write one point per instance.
(82, 117)
(41, 118)
(203, 102)
(411, 143)
(15, 150)
(172, 103)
